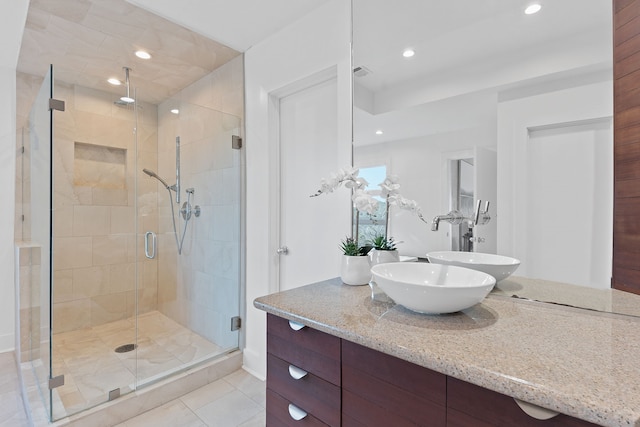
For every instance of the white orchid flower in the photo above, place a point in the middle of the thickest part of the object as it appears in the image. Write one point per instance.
(364, 202)
(346, 176)
(357, 184)
(403, 203)
(363, 199)
(390, 186)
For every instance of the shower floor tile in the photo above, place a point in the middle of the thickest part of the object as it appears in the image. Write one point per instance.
(92, 368)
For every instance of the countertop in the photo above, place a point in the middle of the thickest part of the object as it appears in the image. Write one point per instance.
(578, 362)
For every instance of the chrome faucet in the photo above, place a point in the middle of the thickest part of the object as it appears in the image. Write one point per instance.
(454, 217)
(480, 217)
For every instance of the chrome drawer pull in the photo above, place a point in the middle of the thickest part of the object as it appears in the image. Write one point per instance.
(297, 373)
(296, 413)
(295, 325)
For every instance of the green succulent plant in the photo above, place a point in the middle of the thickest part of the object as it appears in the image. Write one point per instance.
(382, 243)
(349, 247)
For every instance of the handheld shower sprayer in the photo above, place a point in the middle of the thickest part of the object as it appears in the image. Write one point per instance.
(186, 211)
(152, 174)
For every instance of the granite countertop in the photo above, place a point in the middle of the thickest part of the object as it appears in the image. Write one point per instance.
(578, 362)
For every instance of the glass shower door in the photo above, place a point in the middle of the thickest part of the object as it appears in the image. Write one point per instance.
(189, 192)
(93, 269)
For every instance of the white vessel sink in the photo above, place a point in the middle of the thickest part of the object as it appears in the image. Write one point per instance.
(497, 266)
(432, 288)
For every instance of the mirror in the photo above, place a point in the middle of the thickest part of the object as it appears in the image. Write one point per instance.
(518, 107)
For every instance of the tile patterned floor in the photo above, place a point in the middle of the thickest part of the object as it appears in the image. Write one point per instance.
(92, 368)
(11, 406)
(237, 400)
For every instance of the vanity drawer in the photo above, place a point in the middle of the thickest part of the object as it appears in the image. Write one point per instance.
(471, 405)
(378, 389)
(310, 393)
(380, 367)
(278, 413)
(307, 348)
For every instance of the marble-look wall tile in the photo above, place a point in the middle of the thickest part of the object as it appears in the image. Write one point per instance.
(72, 252)
(91, 281)
(91, 220)
(109, 196)
(111, 249)
(63, 280)
(108, 308)
(122, 277)
(123, 220)
(72, 315)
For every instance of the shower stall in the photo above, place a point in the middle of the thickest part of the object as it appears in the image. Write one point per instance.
(130, 253)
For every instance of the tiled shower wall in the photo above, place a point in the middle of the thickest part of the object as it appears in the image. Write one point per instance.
(94, 206)
(200, 288)
(95, 247)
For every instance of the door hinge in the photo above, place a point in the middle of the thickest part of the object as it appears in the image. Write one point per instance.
(56, 104)
(236, 142)
(236, 323)
(114, 394)
(56, 382)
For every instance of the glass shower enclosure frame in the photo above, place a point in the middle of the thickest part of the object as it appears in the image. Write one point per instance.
(140, 271)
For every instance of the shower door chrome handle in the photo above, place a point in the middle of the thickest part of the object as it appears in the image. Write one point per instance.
(152, 254)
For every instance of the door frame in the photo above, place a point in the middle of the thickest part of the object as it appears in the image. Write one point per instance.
(275, 170)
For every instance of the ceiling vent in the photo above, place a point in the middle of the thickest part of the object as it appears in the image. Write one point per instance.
(361, 71)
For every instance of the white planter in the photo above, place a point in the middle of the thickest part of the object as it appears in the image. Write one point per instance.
(355, 270)
(380, 257)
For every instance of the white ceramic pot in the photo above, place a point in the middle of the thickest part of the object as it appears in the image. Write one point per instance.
(355, 270)
(381, 257)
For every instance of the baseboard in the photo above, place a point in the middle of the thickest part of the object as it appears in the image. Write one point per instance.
(254, 363)
(7, 343)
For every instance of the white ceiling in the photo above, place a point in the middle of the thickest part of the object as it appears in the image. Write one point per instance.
(464, 48)
(238, 24)
(447, 35)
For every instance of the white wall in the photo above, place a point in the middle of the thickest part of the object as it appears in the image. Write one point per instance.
(315, 43)
(11, 26)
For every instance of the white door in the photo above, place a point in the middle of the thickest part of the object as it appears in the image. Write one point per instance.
(310, 228)
(486, 189)
(572, 210)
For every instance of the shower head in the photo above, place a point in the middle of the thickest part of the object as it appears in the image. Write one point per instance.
(128, 99)
(152, 174)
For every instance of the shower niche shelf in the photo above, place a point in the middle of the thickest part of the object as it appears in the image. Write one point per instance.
(99, 166)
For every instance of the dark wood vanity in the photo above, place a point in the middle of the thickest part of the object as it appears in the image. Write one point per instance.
(346, 384)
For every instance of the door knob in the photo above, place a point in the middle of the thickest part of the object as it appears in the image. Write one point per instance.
(282, 250)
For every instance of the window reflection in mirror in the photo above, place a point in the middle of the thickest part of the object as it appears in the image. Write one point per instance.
(367, 226)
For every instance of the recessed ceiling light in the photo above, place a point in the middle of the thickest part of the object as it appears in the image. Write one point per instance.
(175, 111)
(114, 81)
(408, 53)
(532, 8)
(379, 132)
(142, 54)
